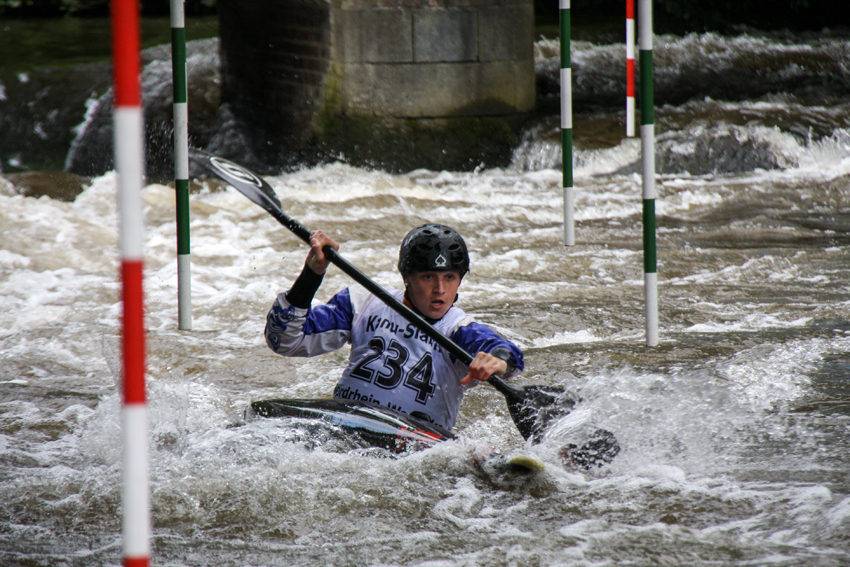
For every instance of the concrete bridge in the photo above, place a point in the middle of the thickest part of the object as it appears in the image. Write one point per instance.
(397, 84)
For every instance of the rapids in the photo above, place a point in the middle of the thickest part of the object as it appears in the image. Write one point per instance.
(734, 430)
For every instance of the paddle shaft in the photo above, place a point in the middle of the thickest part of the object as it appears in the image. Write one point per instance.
(260, 192)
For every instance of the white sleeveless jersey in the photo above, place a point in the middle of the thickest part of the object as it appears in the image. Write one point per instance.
(392, 363)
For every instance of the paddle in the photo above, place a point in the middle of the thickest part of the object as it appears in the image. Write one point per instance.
(531, 407)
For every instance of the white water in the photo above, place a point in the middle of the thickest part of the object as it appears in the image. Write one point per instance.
(734, 429)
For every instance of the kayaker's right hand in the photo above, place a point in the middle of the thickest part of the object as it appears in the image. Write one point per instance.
(316, 259)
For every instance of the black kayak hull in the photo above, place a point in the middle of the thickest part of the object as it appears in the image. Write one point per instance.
(374, 425)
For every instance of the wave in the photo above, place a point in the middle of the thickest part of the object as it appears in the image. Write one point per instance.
(718, 148)
(696, 66)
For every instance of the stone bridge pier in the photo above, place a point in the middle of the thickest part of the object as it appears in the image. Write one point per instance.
(395, 84)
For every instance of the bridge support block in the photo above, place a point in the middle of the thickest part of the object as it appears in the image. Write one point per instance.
(395, 84)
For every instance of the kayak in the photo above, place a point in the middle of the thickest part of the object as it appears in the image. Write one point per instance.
(371, 425)
(368, 425)
(532, 408)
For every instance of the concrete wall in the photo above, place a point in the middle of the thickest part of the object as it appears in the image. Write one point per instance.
(398, 84)
(456, 59)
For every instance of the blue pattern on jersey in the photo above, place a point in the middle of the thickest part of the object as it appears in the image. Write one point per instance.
(336, 314)
(276, 323)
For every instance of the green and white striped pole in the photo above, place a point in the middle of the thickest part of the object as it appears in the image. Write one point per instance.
(567, 124)
(647, 144)
(181, 164)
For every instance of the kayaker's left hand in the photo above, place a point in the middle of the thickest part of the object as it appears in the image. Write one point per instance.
(483, 366)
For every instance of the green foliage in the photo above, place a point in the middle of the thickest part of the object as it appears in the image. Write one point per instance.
(45, 7)
(54, 8)
(726, 15)
(682, 16)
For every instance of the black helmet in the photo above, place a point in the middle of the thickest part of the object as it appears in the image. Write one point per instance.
(433, 247)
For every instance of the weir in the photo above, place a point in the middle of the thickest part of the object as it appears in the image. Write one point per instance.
(407, 84)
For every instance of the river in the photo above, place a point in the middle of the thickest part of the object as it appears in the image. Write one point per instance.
(734, 429)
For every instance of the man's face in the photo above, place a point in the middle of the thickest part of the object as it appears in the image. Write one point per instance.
(432, 293)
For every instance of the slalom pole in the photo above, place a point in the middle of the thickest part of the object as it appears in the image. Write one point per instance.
(181, 164)
(630, 68)
(129, 164)
(567, 124)
(647, 144)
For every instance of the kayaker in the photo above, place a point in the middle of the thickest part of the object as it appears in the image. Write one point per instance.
(392, 362)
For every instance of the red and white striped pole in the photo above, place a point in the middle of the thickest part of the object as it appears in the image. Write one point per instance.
(129, 164)
(630, 68)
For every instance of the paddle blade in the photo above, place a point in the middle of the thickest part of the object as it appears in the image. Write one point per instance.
(245, 181)
(533, 408)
